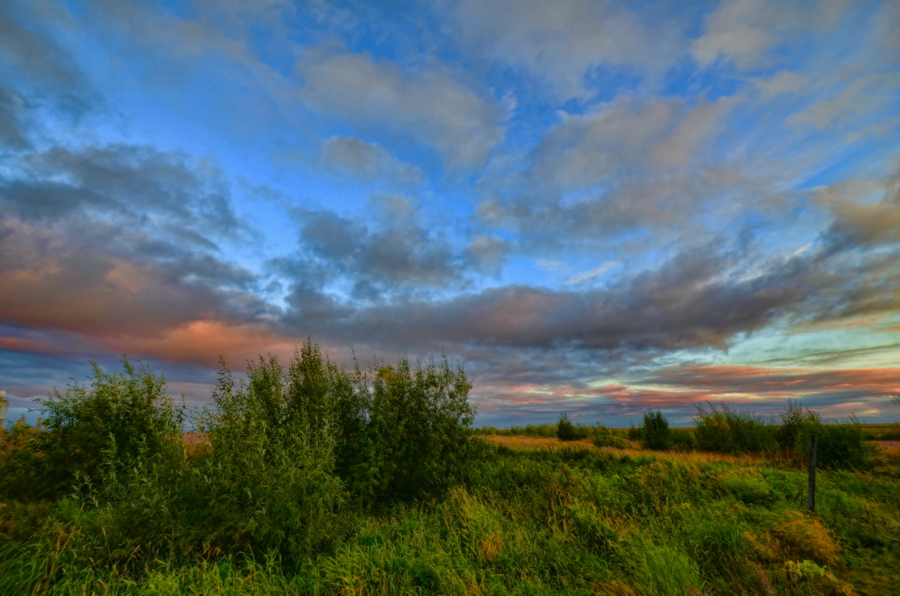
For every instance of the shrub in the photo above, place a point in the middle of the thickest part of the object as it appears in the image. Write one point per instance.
(725, 430)
(418, 422)
(602, 436)
(635, 433)
(793, 420)
(655, 433)
(565, 430)
(394, 432)
(840, 445)
(532, 430)
(682, 440)
(127, 417)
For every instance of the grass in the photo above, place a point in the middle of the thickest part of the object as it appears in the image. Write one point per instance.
(544, 517)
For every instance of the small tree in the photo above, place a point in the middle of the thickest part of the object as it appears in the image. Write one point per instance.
(656, 434)
(565, 430)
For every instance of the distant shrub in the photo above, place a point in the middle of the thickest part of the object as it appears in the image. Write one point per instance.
(533, 430)
(602, 436)
(838, 445)
(655, 433)
(682, 440)
(726, 430)
(635, 433)
(793, 420)
(487, 431)
(565, 430)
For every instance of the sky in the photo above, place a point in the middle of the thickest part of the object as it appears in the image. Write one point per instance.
(595, 207)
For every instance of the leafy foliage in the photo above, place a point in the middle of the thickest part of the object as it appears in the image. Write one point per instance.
(682, 440)
(726, 430)
(655, 433)
(127, 416)
(602, 436)
(565, 430)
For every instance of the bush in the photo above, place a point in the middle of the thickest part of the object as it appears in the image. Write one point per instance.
(793, 420)
(682, 440)
(725, 430)
(840, 445)
(635, 433)
(285, 454)
(565, 430)
(126, 417)
(532, 430)
(602, 436)
(417, 429)
(655, 433)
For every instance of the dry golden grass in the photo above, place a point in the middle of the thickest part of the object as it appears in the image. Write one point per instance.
(517, 442)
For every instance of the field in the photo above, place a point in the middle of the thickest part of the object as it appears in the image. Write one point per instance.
(543, 517)
(285, 487)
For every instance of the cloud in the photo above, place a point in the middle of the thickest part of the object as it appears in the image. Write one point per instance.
(866, 212)
(561, 43)
(632, 164)
(392, 259)
(487, 253)
(817, 387)
(37, 77)
(589, 275)
(425, 104)
(134, 193)
(747, 31)
(781, 83)
(368, 160)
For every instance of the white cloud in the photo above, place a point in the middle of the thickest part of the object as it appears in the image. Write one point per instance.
(560, 42)
(782, 83)
(745, 31)
(425, 104)
(367, 160)
(589, 275)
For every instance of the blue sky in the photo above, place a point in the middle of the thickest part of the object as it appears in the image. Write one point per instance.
(596, 207)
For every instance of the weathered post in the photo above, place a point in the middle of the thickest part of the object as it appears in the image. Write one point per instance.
(811, 491)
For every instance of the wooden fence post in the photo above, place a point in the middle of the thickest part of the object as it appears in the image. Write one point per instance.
(811, 491)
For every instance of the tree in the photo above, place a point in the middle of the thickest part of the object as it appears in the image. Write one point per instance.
(565, 430)
(656, 434)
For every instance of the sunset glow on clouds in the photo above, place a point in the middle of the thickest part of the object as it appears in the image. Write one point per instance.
(597, 207)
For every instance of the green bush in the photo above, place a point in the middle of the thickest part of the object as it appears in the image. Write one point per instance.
(602, 436)
(127, 416)
(682, 440)
(793, 420)
(417, 431)
(532, 430)
(839, 445)
(725, 430)
(286, 453)
(565, 430)
(635, 433)
(655, 433)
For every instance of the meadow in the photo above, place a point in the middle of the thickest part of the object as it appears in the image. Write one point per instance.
(313, 479)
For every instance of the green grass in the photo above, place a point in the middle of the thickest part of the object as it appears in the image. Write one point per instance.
(540, 522)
